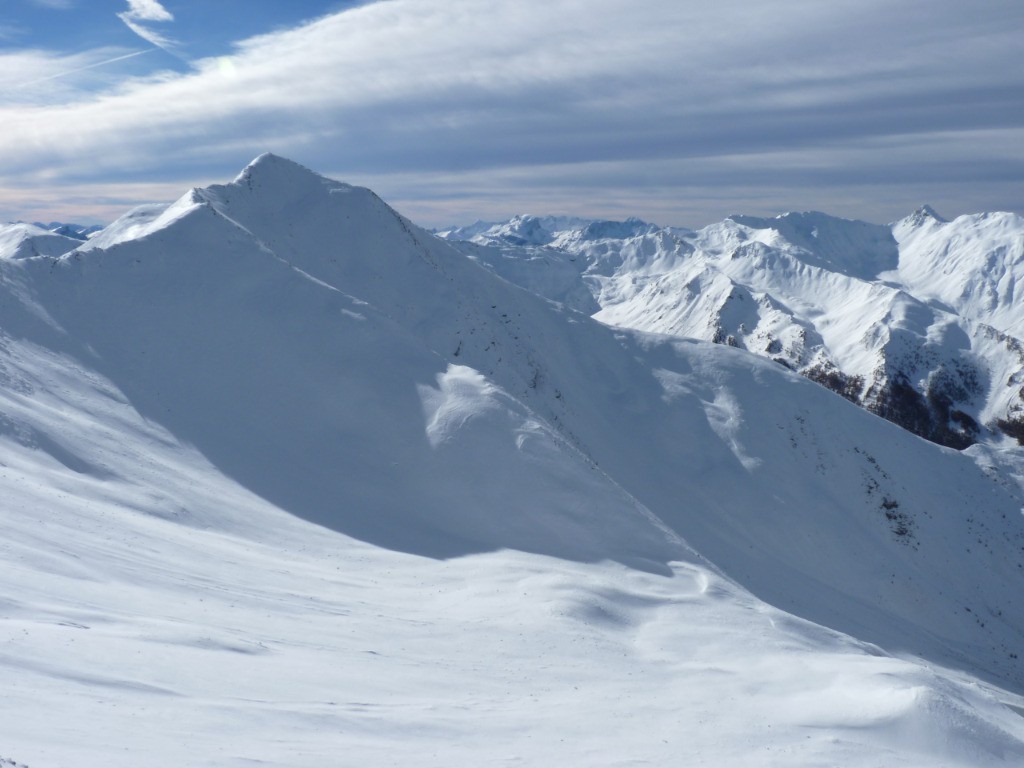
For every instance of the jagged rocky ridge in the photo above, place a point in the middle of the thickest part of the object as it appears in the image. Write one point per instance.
(918, 321)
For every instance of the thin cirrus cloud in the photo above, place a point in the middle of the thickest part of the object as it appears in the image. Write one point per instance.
(139, 17)
(670, 109)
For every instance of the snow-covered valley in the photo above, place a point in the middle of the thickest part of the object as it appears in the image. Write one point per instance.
(288, 480)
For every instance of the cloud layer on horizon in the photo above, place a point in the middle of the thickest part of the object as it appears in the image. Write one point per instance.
(672, 110)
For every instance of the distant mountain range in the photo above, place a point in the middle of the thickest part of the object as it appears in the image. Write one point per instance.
(919, 321)
(74, 231)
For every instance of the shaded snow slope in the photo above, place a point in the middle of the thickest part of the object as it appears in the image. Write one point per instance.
(286, 475)
(136, 640)
(249, 359)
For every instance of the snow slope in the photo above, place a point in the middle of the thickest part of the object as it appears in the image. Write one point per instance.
(972, 264)
(286, 477)
(22, 241)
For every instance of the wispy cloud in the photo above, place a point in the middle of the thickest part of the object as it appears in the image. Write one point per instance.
(59, 4)
(788, 102)
(138, 16)
(147, 10)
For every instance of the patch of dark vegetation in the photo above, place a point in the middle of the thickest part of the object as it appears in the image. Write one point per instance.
(930, 415)
(830, 377)
(964, 421)
(901, 404)
(899, 522)
(721, 337)
(1013, 425)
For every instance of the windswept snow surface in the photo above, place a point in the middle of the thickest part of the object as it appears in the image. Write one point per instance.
(289, 481)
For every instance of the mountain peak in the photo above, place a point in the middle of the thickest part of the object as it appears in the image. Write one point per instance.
(23, 241)
(924, 216)
(523, 229)
(270, 169)
(926, 212)
(849, 246)
(631, 227)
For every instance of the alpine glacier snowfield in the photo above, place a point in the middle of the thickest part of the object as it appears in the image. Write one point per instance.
(289, 481)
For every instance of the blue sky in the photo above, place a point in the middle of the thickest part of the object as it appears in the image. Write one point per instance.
(143, 36)
(678, 111)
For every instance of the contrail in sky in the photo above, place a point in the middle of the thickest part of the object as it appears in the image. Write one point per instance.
(83, 69)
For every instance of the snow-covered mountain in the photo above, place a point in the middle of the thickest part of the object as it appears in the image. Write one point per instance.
(917, 321)
(23, 241)
(20, 240)
(286, 477)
